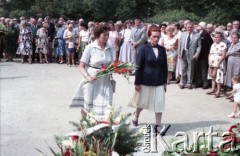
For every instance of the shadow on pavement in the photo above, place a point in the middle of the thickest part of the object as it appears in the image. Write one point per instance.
(16, 77)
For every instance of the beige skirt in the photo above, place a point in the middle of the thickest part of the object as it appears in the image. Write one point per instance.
(150, 97)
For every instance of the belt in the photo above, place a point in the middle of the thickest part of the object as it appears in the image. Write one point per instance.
(94, 67)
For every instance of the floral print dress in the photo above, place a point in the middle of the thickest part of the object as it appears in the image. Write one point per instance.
(215, 55)
(42, 41)
(60, 42)
(25, 42)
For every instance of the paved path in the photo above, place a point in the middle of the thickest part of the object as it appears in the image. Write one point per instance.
(35, 106)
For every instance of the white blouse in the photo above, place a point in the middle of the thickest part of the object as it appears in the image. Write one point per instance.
(155, 52)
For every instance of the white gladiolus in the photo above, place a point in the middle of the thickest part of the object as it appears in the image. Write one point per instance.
(67, 143)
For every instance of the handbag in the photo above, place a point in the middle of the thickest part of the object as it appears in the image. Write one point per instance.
(133, 102)
(113, 82)
(212, 71)
(121, 41)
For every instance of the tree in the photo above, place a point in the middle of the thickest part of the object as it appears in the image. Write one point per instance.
(105, 10)
(135, 9)
(126, 10)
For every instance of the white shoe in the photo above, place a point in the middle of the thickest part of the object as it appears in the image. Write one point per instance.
(238, 114)
(232, 115)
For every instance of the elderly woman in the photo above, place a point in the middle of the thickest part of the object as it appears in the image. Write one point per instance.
(42, 42)
(216, 63)
(70, 37)
(170, 42)
(60, 50)
(151, 77)
(233, 54)
(25, 42)
(97, 94)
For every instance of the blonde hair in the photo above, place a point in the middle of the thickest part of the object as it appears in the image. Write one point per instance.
(45, 25)
(170, 28)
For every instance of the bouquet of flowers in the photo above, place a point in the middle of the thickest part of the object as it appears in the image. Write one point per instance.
(118, 67)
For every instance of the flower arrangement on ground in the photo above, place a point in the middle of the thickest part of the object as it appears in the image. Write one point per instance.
(100, 136)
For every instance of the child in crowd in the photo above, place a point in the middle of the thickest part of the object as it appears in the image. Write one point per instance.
(71, 51)
(236, 96)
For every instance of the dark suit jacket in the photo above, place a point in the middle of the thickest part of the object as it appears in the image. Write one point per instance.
(51, 31)
(206, 41)
(151, 71)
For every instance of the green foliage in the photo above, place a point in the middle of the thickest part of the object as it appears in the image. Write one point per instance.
(218, 16)
(126, 10)
(127, 140)
(3, 12)
(156, 11)
(172, 16)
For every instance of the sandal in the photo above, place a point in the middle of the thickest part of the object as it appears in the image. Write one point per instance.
(229, 97)
(210, 92)
(135, 122)
(217, 95)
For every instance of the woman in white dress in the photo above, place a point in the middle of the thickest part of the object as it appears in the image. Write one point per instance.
(96, 95)
(126, 54)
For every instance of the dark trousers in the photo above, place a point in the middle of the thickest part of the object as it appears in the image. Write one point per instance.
(34, 54)
(1, 47)
(202, 72)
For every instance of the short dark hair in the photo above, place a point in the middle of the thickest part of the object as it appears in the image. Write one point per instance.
(163, 24)
(153, 28)
(112, 23)
(218, 33)
(126, 22)
(178, 26)
(83, 24)
(98, 30)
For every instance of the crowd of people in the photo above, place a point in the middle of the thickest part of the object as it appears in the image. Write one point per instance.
(197, 54)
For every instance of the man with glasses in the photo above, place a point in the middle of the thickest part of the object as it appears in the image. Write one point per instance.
(235, 25)
(229, 29)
